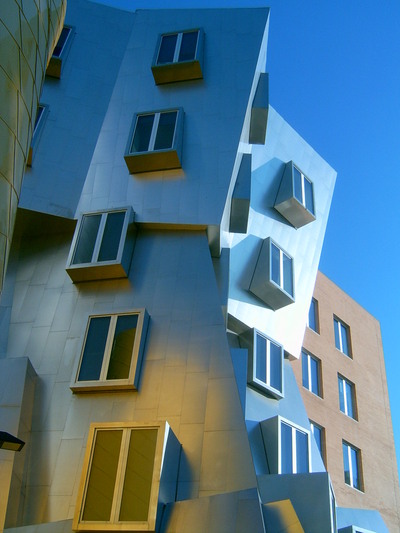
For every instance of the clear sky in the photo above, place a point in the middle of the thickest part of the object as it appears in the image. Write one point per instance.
(335, 77)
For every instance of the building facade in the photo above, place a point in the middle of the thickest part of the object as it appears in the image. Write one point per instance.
(166, 246)
(342, 380)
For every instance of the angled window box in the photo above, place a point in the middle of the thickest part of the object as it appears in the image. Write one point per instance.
(129, 474)
(60, 52)
(273, 278)
(102, 246)
(295, 199)
(155, 141)
(259, 111)
(179, 57)
(240, 202)
(40, 119)
(112, 352)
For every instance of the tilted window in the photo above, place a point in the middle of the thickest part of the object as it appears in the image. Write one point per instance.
(179, 57)
(60, 51)
(266, 365)
(155, 141)
(112, 352)
(342, 336)
(311, 371)
(294, 449)
(313, 318)
(352, 466)
(41, 114)
(102, 246)
(303, 190)
(347, 397)
(319, 436)
(281, 269)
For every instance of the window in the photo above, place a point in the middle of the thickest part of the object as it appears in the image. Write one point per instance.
(347, 397)
(273, 277)
(102, 246)
(295, 450)
(155, 141)
(303, 189)
(59, 53)
(352, 466)
(311, 370)
(41, 114)
(120, 482)
(313, 319)
(342, 336)
(112, 352)
(319, 436)
(179, 57)
(266, 365)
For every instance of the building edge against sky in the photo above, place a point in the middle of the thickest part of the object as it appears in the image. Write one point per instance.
(172, 341)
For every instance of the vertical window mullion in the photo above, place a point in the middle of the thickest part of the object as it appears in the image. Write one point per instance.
(107, 349)
(346, 408)
(350, 465)
(119, 481)
(303, 194)
(294, 450)
(268, 362)
(99, 238)
(310, 385)
(177, 47)
(280, 268)
(154, 132)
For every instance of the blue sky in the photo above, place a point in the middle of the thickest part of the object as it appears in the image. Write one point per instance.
(335, 77)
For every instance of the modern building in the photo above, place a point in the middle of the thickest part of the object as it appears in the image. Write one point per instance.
(342, 379)
(165, 251)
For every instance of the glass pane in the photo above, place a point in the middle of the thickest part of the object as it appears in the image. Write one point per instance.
(141, 138)
(286, 449)
(39, 114)
(167, 49)
(275, 264)
(121, 352)
(343, 331)
(86, 239)
(346, 465)
(261, 358)
(165, 131)
(275, 363)
(103, 471)
(314, 375)
(188, 46)
(341, 395)
(297, 189)
(301, 452)
(349, 398)
(61, 42)
(111, 236)
(287, 274)
(308, 194)
(354, 468)
(92, 358)
(312, 323)
(337, 338)
(317, 431)
(304, 366)
(138, 475)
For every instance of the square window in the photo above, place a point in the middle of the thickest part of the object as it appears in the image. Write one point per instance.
(179, 57)
(311, 371)
(41, 113)
(266, 365)
(319, 436)
(122, 477)
(112, 352)
(60, 52)
(102, 246)
(347, 397)
(294, 449)
(342, 336)
(273, 278)
(313, 318)
(155, 141)
(352, 466)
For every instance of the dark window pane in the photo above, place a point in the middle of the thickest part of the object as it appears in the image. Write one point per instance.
(308, 193)
(341, 395)
(261, 359)
(61, 42)
(345, 347)
(287, 274)
(141, 138)
(86, 239)
(188, 46)
(354, 468)
(93, 354)
(275, 357)
(121, 352)
(138, 476)
(337, 339)
(314, 375)
(346, 465)
(167, 49)
(103, 472)
(165, 131)
(317, 431)
(301, 452)
(39, 114)
(312, 315)
(286, 449)
(275, 264)
(111, 236)
(298, 193)
(304, 366)
(349, 398)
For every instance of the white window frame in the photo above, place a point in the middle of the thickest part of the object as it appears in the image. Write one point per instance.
(281, 276)
(266, 386)
(129, 383)
(341, 324)
(309, 373)
(295, 428)
(302, 200)
(351, 473)
(178, 46)
(346, 400)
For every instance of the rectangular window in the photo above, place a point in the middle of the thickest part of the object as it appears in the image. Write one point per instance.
(347, 401)
(303, 190)
(120, 479)
(311, 370)
(59, 53)
(41, 113)
(177, 47)
(313, 318)
(112, 352)
(281, 269)
(319, 436)
(267, 365)
(342, 336)
(295, 450)
(352, 466)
